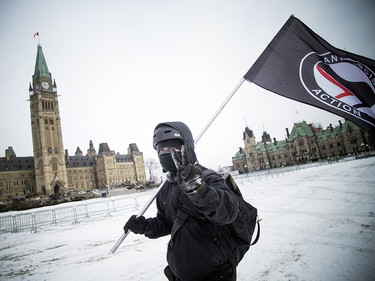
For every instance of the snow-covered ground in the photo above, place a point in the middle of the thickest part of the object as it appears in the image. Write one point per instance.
(317, 224)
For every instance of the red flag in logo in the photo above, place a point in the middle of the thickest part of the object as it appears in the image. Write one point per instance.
(300, 65)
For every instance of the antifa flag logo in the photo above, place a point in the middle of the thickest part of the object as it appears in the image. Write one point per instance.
(300, 65)
(324, 76)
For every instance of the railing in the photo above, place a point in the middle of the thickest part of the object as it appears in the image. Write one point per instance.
(74, 213)
(270, 173)
(33, 220)
(275, 172)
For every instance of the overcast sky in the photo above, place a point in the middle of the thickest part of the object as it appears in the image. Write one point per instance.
(121, 67)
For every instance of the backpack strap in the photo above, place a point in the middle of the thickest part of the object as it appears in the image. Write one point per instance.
(180, 219)
(258, 232)
(186, 209)
(231, 183)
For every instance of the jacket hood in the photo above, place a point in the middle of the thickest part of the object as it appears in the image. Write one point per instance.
(186, 135)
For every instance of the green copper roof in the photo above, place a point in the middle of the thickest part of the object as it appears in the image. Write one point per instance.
(280, 145)
(239, 155)
(349, 125)
(41, 69)
(270, 146)
(329, 134)
(260, 147)
(301, 129)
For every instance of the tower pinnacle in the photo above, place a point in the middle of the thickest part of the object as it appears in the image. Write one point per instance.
(41, 69)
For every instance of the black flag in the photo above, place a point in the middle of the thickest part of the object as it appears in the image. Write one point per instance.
(302, 66)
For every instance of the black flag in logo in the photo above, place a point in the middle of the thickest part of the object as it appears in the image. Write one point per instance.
(302, 66)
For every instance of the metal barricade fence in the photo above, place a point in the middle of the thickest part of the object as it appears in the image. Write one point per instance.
(22, 222)
(37, 218)
(32, 220)
(6, 223)
(274, 172)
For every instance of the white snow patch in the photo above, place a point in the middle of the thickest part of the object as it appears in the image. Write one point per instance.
(317, 224)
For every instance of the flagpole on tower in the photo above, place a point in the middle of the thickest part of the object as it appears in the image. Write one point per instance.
(36, 34)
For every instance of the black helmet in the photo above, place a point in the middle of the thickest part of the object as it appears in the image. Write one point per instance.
(163, 133)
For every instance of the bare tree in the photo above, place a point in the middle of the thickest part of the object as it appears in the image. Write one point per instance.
(152, 167)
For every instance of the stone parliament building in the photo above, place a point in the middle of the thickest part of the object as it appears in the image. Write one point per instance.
(305, 143)
(51, 170)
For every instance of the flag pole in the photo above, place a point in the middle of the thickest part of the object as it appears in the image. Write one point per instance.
(144, 209)
(36, 34)
(219, 110)
(141, 213)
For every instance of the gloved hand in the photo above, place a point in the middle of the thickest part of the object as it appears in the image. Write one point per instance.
(137, 225)
(189, 176)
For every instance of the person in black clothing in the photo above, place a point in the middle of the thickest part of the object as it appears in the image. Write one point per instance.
(195, 206)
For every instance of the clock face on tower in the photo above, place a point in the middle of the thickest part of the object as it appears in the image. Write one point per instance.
(45, 85)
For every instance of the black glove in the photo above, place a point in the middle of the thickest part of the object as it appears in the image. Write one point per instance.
(189, 176)
(137, 225)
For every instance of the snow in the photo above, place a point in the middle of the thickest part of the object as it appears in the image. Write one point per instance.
(317, 223)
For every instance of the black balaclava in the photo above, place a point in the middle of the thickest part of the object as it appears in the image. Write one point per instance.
(166, 160)
(177, 133)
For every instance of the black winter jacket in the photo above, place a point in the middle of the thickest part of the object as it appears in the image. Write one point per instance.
(200, 247)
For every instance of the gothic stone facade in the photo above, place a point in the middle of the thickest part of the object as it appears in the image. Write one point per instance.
(51, 169)
(305, 143)
(84, 172)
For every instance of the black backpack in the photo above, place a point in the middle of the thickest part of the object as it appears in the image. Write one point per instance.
(242, 228)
